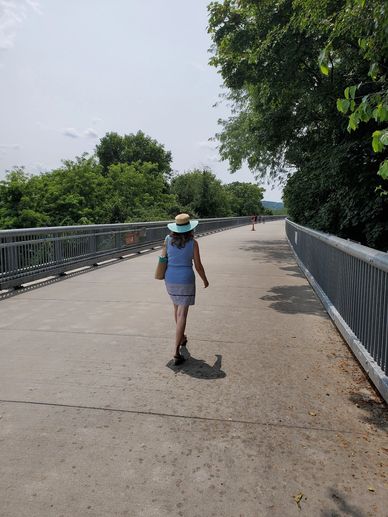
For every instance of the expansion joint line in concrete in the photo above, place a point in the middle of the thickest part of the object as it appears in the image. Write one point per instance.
(186, 417)
(127, 302)
(116, 334)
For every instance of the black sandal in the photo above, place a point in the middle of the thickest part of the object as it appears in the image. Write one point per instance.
(178, 359)
(184, 342)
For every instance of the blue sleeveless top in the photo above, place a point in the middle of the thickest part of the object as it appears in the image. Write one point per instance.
(180, 263)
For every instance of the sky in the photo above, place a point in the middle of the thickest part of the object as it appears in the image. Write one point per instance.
(73, 70)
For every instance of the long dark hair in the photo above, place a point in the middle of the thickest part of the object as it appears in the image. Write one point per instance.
(181, 239)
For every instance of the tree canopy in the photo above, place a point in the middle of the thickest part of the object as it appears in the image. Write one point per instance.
(132, 148)
(245, 198)
(285, 65)
(201, 194)
(366, 97)
(80, 192)
(86, 191)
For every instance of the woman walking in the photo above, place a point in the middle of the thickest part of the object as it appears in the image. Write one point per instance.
(182, 249)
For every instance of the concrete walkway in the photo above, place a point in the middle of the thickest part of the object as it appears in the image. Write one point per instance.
(270, 416)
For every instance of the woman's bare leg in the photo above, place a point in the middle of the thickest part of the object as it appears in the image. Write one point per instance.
(176, 320)
(181, 313)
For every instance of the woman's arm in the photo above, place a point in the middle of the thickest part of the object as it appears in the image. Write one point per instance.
(198, 264)
(163, 253)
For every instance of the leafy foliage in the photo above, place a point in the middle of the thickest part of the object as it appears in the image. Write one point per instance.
(133, 148)
(283, 82)
(363, 23)
(19, 201)
(316, 199)
(201, 194)
(136, 193)
(245, 198)
(82, 191)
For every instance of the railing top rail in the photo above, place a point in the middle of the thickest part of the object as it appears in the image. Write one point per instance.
(368, 255)
(83, 227)
(88, 227)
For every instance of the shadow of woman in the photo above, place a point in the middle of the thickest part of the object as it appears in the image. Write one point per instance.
(198, 368)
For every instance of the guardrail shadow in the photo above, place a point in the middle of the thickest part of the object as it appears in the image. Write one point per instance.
(198, 368)
(277, 251)
(287, 299)
(294, 299)
(293, 271)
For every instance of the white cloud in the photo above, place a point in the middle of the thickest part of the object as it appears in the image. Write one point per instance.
(209, 150)
(90, 133)
(71, 132)
(198, 66)
(10, 146)
(12, 15)
(207, 145)
(43, 126)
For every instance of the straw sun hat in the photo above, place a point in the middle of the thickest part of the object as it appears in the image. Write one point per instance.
(182, 224)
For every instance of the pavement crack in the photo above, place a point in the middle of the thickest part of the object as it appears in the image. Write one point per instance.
(116, 334)
(186, 417)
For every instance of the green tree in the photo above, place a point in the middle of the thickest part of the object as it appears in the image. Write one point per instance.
(75, 193)
(137, 193)
(19, 201)
(245, 198)
(283, 106)
(132, 148)
(201, 194)
(80, 193)
(285, 119)
(340, 200)
(366, 97)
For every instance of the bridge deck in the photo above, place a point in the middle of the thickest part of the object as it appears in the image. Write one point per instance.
(270, 405)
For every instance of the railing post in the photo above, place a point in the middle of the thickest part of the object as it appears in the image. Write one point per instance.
(58, 249)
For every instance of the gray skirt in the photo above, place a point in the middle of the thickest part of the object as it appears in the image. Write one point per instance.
(181, 294)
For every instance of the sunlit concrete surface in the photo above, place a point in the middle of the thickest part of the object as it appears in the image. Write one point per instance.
(269, 415)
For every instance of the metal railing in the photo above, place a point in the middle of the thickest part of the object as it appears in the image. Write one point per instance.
(352, 282)
(31, 254)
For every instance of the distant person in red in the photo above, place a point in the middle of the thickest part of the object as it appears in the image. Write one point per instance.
(253, 221)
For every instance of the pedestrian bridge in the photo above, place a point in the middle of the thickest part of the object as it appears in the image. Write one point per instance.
(271, 414)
